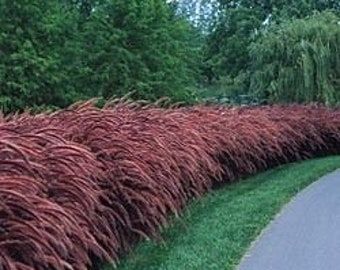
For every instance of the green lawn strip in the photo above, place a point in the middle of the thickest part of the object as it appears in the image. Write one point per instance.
(216, 230)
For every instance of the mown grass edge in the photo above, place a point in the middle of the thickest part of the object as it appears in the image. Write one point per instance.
(215, 231)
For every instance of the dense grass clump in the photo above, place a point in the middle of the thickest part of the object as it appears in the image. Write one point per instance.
(85, 184)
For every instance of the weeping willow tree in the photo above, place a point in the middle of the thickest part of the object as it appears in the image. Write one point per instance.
(298, 61)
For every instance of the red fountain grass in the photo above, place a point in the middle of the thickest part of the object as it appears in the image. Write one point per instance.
(84, 184)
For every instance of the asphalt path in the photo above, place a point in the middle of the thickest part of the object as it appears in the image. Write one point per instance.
(305, 235)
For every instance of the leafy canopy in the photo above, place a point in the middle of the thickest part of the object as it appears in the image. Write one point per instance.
(298, 61)
(56, 52)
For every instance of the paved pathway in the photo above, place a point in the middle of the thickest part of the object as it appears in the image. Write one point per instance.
(305, 236)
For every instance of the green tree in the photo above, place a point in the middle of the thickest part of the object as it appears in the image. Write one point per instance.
(55, 52)
(140, 46)
(33, 39)
(226, 51)
(298, 61)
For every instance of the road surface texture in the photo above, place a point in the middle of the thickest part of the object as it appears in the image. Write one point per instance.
(305, 236)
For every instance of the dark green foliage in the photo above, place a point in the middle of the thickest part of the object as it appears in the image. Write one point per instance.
(55, 52)
(33, 45)
(227, 45)
(139, 46)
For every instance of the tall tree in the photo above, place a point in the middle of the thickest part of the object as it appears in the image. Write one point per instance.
(298, 61)
(140, 46)
(55, 52)
(33, 38)
(237, 26)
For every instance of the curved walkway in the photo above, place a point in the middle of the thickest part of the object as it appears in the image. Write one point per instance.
(305, 236)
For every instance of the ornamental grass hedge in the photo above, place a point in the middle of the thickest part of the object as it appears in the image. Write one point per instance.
(83, 185)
